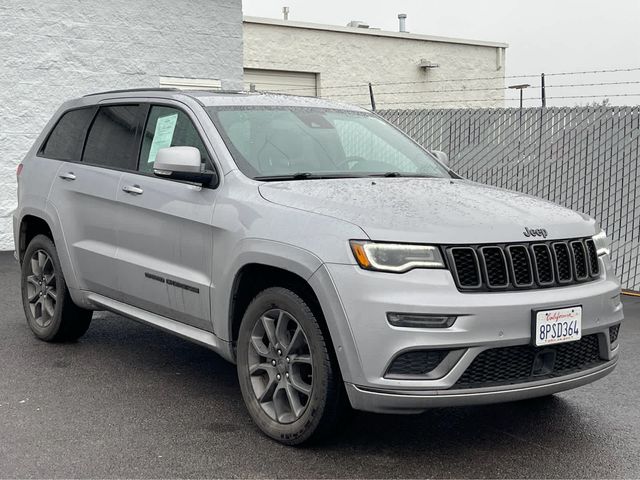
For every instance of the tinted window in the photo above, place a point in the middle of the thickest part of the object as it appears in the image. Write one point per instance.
(113, 138)
(67, 137)
(168, 127)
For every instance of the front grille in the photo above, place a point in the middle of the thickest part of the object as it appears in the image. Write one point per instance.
(484, 268)
(415, 363)
(465, 266)
(543, 264)
(495, 267)
(526, 363)
(521, 271)
(592, 253)
(580, 260)
(562, 256)
(613, 333)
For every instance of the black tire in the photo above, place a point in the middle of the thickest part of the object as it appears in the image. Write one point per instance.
(60, 320)
(325, 405)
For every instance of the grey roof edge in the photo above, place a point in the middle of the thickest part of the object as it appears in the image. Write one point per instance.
(132, 90)
(155, 90)
(213, 98)
(371, 32)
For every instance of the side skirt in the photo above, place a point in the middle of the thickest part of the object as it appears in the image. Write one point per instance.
(196, 335)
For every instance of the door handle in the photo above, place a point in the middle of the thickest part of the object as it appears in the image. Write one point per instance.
(67, 176)
(133, 189)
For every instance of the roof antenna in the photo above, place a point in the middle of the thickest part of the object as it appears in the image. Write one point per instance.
(285, 13)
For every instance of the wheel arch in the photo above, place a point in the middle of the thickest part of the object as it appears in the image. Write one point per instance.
(309, 280)
(252, 278)
(30, 226)
(34, 221)
(243, 259)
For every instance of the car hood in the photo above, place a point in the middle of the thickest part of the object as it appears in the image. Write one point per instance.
(433, 210)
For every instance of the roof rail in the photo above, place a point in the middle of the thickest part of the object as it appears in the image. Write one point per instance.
(126, 90)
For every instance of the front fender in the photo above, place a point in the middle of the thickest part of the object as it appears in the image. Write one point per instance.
(265, 252)
(306, 265)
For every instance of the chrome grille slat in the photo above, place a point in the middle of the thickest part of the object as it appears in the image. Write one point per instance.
(522, 266)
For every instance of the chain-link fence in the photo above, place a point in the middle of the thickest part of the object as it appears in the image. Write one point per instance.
(585, 158)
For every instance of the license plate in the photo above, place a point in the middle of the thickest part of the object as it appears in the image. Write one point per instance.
(557, 326)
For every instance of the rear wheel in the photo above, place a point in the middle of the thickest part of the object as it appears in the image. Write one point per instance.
(48, 307)
(289, 382)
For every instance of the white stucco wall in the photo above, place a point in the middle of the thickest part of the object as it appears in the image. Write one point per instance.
(52, 50)
(350, 56)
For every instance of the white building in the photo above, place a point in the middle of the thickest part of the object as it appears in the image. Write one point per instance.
(52, 50)
(408, 70)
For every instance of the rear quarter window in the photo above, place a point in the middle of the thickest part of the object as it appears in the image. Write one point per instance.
(67, 137)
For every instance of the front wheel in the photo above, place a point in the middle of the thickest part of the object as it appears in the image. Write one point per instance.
(48, 307)
(289, 382)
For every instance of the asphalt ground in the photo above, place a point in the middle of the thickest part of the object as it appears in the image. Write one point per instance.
(130, 401)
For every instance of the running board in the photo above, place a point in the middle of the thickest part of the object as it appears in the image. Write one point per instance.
(196, 335)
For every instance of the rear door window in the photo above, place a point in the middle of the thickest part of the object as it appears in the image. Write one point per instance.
(67, 137)
(113, 139)
(168, 127)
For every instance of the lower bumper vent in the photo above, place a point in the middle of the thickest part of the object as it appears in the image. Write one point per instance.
(526, 363)
(613, 333)
(415, 363)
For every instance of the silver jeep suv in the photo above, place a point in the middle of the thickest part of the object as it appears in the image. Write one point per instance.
(334, 260)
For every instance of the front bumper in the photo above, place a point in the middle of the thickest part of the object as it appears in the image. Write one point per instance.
(416, 402)
(356, 302)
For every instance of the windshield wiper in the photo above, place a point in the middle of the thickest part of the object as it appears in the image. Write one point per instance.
(317, 176)
(398, 174)
(301, 175)
(305, 176)
(288, 176)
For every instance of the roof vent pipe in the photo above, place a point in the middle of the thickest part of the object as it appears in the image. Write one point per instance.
(285, 13)
(402, 17)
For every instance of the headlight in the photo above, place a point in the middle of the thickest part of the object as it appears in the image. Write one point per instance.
(602, 243)
(395, 257)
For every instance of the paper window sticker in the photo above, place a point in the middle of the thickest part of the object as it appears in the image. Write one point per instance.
(163, 136)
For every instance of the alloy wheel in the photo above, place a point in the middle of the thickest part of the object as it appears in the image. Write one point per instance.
(42, 293)
(280, 366)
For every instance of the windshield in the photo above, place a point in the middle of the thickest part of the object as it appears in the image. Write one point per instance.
(269, 143)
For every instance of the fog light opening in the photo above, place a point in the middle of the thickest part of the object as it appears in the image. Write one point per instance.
(613, 334)
(420, 320)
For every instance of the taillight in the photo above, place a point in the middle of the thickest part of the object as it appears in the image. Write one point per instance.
(19, 169)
